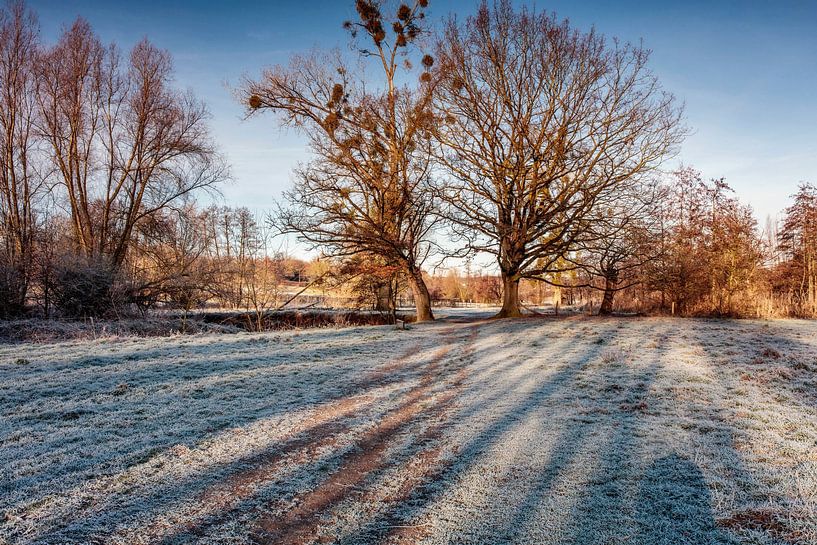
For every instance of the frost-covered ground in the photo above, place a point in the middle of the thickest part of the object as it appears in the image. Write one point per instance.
(541, 430)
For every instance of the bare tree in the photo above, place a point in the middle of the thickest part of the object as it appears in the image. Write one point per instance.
(124, 143)
(798, 245)
(233, 232)
(542, 123)
(262, 270)
(169, 259)
(621, 238)
(366, 191)
(710, 248)
(20, 184)
(70, 101)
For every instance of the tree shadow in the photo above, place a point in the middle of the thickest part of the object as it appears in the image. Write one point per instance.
(674, 506)
(374, 454)
(395, 523)
(337, 387)
(610, 444)
(390, 429)
(631, 494)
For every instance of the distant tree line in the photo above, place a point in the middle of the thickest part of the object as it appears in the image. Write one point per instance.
(509, 134)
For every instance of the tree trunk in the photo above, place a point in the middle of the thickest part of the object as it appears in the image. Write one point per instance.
(422, 299)
(384, 297)
(510, 297)
(606, 307)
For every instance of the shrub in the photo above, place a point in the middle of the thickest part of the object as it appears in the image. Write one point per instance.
(86, 288)
(12, 292)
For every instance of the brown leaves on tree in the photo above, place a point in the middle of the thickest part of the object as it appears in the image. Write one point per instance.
(404, 13)
(405, 28)
(331, 122)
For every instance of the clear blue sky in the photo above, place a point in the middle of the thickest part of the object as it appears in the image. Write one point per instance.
(747, 71)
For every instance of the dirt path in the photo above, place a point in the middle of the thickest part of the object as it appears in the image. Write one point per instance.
(419, 411)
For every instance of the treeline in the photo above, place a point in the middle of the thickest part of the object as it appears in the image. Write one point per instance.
(512, 134)
(699, 251)
(101, 157)
(695, 251)
(509, 134)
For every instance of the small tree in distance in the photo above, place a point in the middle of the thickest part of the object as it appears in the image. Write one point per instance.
(366, 192)
(622, 237)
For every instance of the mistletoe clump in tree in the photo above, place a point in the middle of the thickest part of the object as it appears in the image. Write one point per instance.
(366, 192)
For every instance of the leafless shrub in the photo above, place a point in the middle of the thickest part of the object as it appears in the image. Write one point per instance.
(86, 288)
(11, 286)
(611, 356)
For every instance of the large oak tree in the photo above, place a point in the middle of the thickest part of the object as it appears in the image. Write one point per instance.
(543, 123)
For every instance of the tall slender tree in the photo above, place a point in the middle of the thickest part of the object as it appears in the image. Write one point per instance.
(21, 186)
(124, 143)
(366, 192)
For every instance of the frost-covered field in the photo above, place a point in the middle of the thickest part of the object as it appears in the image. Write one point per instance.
(542, 430)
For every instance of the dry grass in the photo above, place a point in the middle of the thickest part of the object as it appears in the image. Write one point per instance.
(174, 323)
(541, 430)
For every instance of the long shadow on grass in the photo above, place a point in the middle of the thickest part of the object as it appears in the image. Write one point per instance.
(603, 509)
(367, 453)
(672, 503)
(620, 501)
(162, 495)
(629, 497)
(330, 493)
(674, 506)
(189, 359)
(603, 439)
(592, 436)
(571, 439)
(382, 527)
